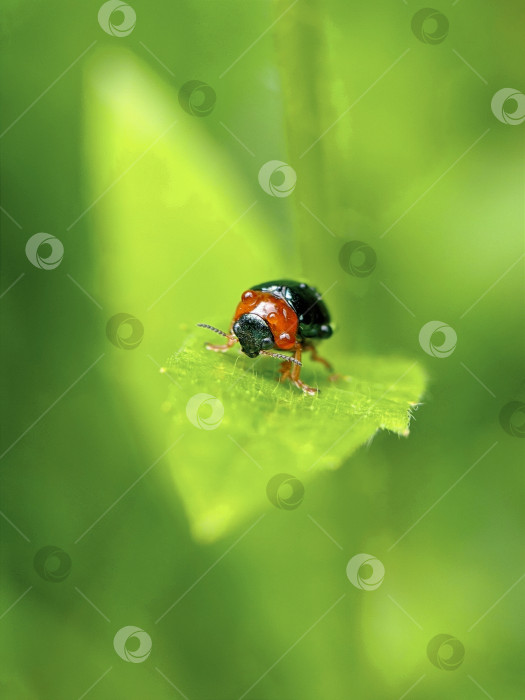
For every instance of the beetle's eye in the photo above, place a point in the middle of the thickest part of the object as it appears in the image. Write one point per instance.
(266, 343)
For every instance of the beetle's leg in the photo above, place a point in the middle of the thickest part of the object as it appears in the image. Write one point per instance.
(296, 371)
(284, 369)
(316, 357)
(222, 348)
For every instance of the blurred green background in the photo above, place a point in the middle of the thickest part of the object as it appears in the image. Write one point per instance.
(100, 153)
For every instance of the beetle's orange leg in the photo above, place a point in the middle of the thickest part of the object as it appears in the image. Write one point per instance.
(316, 357)
(292, 372)
(222, 348)
(296, 371)
(284, 370)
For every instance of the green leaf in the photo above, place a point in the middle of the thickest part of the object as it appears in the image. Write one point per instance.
(243, 427)
(192, 232)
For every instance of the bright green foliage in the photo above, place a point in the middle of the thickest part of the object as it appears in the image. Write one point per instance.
(276, 425)
(221, 469)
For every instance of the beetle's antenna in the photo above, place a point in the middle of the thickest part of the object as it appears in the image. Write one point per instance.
(281, 357)
(212, 328)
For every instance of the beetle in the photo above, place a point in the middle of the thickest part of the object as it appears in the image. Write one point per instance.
(281, 314)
